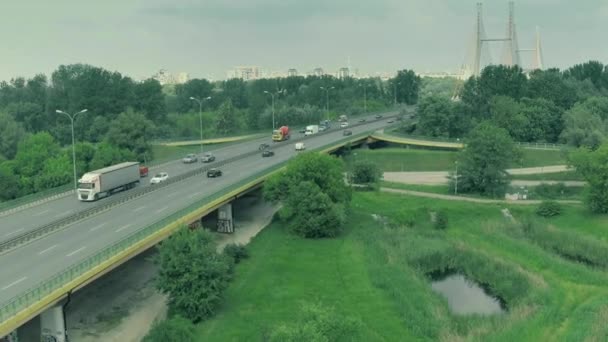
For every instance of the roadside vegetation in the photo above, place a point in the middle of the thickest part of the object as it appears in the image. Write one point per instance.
(377, 273)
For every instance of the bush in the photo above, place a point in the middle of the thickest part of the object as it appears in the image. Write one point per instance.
(175, 329)
(236, 252)
(441, 220)
(549, 209)
(365, 172)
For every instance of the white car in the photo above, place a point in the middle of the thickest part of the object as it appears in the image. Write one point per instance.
(343, 124)
(190, 158)
(159, 178)
(300, 146)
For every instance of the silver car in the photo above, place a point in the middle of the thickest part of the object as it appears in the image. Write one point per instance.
(208, 158)
(190, 158)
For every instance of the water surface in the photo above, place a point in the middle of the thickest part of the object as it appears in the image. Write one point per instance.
(466, 297)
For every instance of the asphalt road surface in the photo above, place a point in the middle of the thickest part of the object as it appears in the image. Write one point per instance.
(30, 264)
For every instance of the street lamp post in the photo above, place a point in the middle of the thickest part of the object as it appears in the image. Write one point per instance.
(272, 97)
(200, 115)
(72, 117)
(395, 92)
(364, 97)
(327, 99)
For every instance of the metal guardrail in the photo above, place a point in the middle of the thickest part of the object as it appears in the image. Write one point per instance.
(24, 300)
(121, 198)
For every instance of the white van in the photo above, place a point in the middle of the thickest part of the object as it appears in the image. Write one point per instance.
(300, 146)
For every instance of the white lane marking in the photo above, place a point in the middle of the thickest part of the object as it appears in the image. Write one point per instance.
(76, 251)
(161, 209)
(15, 232)
(48, 249)
(14, 283)
(42, 212)
(62, 214)
(194, 194)
(123, 227)
(97, 227)
(140, 208)
(173, 194)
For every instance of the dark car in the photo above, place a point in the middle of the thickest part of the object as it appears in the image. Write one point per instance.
(347, 132)
(214, 173)
(378, 116)
(267, 153)
(362, 120)
(303, 130)
(263, 146)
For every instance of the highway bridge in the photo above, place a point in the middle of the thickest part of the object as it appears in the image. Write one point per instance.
(53, 248)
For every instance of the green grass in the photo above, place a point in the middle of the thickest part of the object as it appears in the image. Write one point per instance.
(376, 271)
(404, 159)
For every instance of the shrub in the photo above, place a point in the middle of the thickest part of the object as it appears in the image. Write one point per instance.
(441, 220)
(175, 329)
(236, 252)
(549, 209)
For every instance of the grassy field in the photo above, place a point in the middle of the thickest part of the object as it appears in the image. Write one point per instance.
(377, 273)
(403, 159)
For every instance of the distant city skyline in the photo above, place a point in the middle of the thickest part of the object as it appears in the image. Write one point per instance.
(137, 38)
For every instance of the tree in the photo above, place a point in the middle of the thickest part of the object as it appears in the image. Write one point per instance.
(192, 273)
(592, 70)
(483, 162)
(551, 85)
(57, 171)
(107, 154)
(593, 166)
(226, 119)
(132, 131)
(318, 324)
(434, 116)
(9, 182)
(174, 329)
(366, 172)
(314, 195)
(407, 84)
(150, 100)
(11, 134)
(586, 124)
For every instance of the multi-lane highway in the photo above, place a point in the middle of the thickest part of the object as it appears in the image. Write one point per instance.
(28, 265)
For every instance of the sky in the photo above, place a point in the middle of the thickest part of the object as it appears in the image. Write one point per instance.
(206, 38)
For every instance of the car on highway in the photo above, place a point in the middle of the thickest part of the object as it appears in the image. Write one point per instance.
(300, 146)
(362, 120)
(302, 130)
(322, 128)
(267, 153)
(391, 121)
(263, 146)
(347, 132)
(378, 116)
(159, 178)
(212, 173)
(343, 124)
(190, 158)
(207, 158)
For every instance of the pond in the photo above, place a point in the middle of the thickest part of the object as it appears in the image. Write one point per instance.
(466, 297)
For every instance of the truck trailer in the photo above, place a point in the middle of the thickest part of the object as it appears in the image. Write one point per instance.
(280, 134)
(312, 129)
(103, 182)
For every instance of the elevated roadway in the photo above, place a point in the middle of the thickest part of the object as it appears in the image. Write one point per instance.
(36, 265)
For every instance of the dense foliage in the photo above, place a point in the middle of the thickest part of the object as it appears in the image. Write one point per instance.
(193, 274)
(593, 166)
(549, 209)
(313, 193)
(366, 172)
(483, 162)
(174, 329)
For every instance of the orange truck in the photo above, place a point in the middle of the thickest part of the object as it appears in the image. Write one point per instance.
(280, 134)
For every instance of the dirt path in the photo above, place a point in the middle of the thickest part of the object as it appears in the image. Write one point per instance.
(441, 177)
(122, 306)
(469, 199)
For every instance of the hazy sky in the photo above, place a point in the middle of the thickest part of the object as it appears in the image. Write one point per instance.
(207, 37)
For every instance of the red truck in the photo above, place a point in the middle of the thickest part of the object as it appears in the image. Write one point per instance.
(280, 134)
(143, 171)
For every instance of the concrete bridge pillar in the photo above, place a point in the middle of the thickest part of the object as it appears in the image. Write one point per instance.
(12, 337)
(225, 222)
(52, 325)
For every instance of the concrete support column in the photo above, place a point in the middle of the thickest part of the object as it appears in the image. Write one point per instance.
(52, 325)
(12, 337)
(225, 222)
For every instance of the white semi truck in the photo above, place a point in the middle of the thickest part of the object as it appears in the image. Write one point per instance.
(312, 129)
(103, 182)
